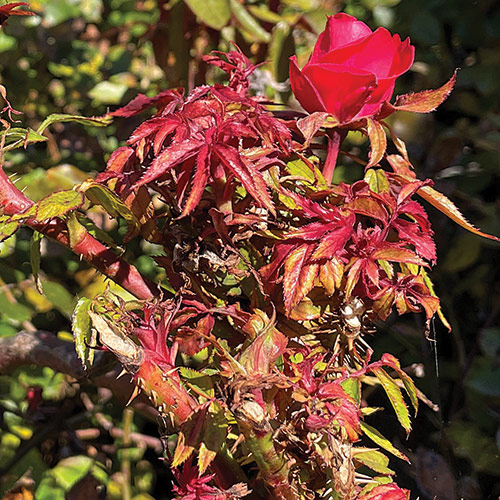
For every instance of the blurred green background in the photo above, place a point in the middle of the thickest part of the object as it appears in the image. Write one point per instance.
(86, 56)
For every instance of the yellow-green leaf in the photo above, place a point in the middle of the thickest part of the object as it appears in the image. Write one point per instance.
(377, 180)
(248, 22)
(373, 459)
(383, 442)
(95, 121)
(395, 397)
(35, 258)
(82, 332)
(101, 195)
(213, 13)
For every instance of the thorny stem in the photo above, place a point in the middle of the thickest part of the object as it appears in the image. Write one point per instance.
(335, 138)
(13, 201)
(274, 469)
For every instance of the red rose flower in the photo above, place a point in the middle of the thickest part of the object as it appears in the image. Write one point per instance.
(352, 70)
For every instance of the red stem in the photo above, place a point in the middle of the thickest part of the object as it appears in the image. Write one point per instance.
(335, 138)
(13, 201)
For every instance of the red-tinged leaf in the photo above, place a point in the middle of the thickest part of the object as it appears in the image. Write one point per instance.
(313, 231)
(200, 179)
(335, 240)
(7, 10)
(251, 179)
(430, 287)
(386, 492)
(297, 282)
(447, 207)
(142, 102)
(383, 304)
(383, 442)
(330, 275)
(408, 190)
(422, 241)
(353, 276)
(118, 159)
(310, 124)
(427, 100)
(150, 127)
(214, 436)
(259, 357)
(401, 166)
(378, 141)
(395, 254)
(370, 207)
(169, 158)
(281, 252)
(333, 390)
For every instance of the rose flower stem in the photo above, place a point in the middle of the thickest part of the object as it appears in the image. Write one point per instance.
(13, 201)
(335, 138)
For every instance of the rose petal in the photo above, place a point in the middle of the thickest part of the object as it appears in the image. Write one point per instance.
(343, 91)
(383, 92)
(403, 58)
(303, 90)
(374, 54)
(341, 30)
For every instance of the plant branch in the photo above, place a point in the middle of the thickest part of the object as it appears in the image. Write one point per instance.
(13, 201)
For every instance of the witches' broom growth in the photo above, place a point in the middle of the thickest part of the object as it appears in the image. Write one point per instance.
(253, 349)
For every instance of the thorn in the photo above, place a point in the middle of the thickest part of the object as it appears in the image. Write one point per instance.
(123, 372)
(134, 394)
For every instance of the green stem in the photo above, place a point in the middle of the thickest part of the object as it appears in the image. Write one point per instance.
(128, 416)
(273, 466)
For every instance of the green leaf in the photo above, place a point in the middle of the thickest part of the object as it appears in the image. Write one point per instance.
(7, 227)
(383, 442)
(395, 397)
(101, 195)
(377, 180)
(214, 436)
(59, 297)
(82, 332)
(17, 137)
(56, 204)
(94, 121)
(35, 258)
(373, 459)
(108, 92)
(213, 13)
(70, 470)
(248, 22)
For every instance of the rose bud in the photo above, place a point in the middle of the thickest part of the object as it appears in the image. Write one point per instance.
(352, 69)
